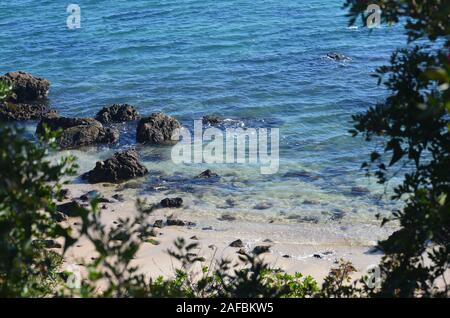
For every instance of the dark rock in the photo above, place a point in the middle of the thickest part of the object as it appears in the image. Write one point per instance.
(176, 222)
(65, 193)
(121, 167)
(20, 112)
(227, 217)
(207, 174)
(310, 202)
(286, 256)
(207, 228)
(237, 243)
(78, 132)
(59, 217)
(211, 120)
(172, 202)
(26, 87)
(195, 238)
(159, 224)
(263, 206)
(68, 208)
(268, 241)
(317, 256)
(157, 129)
(117, 113)
(260, 249)
(121, 236)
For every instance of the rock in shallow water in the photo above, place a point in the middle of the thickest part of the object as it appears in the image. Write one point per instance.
(78, 132)
(26, 87)
(121, 167)
(21, 112)
(172, 202)
(157, 129)
(117, 113)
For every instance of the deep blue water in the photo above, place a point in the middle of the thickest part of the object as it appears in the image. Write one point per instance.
(259, 61)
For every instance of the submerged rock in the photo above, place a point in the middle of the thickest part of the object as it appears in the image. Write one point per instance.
(172, 202)
(211, 120)
(26, 87)
(121, 167)
(117, 113)
(157, 129)
(359, 191)
(337, 57)
(77, 132)
(263, 206)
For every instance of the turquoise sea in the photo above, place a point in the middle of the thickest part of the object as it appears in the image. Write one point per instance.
(260, 63)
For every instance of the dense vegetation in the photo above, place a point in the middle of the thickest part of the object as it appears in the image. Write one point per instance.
(413, 122)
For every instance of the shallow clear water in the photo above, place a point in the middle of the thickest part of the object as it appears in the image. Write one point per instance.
(262, 63)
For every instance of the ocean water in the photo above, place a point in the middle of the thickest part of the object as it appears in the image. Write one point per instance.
(262, 64)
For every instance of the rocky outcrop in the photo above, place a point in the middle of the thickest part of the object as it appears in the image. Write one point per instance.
(117, 113)
(26, 87)
(172, 202)
(121, 167)
(28, 99)
(18, 112)
(157, 129)
(78, 132)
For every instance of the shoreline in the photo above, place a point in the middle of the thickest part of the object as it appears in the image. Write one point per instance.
(291, 255)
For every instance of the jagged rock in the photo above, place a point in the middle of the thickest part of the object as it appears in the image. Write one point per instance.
(159, 224)
(121, 167)
(77, 132)
(26, 87)
(176, 222)
(237, 243)
(20, 112)
(172, 202)
(207, 174)
(157, 129)
(117, 113)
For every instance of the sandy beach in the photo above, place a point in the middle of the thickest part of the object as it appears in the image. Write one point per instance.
(291, 253)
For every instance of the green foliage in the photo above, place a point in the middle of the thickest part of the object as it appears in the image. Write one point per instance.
(28, 188)
(414, 122)
(6, 90)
